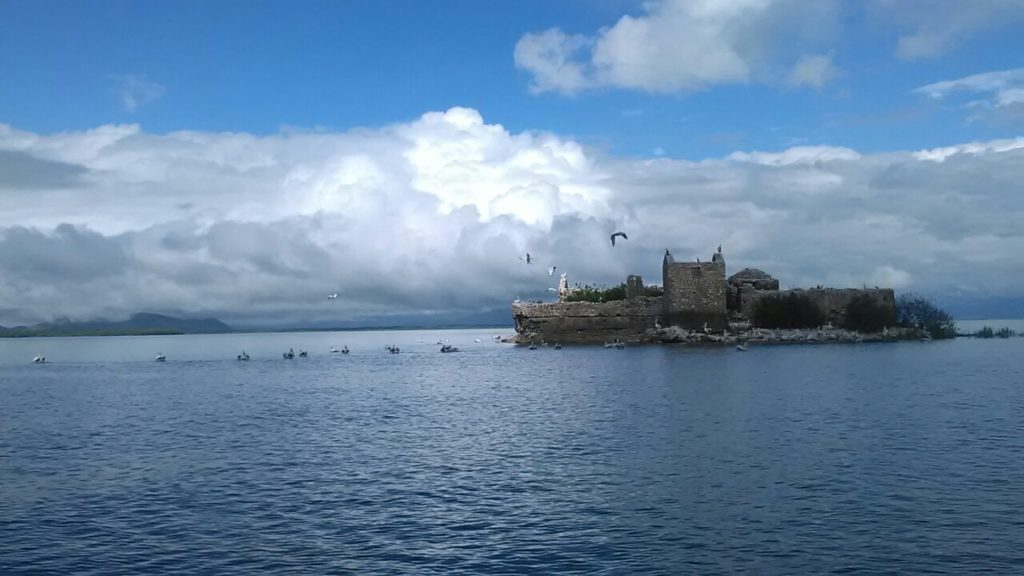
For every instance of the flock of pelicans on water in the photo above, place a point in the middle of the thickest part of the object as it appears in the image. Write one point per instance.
(390, 348)
(291, 354)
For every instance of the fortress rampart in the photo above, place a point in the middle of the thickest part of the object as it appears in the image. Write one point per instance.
(696, 297)
(831, 301)
(587, 322)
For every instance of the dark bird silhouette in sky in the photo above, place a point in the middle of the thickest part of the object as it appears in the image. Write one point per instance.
(623, 234)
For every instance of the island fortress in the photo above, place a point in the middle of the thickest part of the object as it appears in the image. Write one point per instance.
(694, 297)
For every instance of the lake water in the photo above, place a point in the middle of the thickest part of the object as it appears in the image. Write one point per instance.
(971, 326)
(873, 458)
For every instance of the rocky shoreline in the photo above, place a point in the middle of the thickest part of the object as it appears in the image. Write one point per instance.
(745, 335)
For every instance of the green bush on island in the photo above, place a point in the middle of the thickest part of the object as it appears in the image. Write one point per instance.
(794, 310)
(916, 311)
(867, 314)
(588, 293)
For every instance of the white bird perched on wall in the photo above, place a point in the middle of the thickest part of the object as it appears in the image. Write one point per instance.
(551, 271)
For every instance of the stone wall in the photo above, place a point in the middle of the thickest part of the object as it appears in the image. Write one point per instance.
(831, 301)
(695, 294)
(586, 322)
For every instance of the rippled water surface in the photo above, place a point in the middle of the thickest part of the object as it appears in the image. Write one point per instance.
(888, 458)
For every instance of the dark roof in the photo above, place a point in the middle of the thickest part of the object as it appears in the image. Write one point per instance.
(750, 274)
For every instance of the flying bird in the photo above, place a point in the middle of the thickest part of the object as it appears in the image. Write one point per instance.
(551, 271)
(623, 234)
(528, 259)
(332, 296)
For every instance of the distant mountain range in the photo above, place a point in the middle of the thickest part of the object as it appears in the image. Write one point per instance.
(145, 323)
(142, 323)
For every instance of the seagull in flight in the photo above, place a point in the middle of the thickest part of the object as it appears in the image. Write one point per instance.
(332, 296)
(527, 258)
(623, 234)
(551, 271)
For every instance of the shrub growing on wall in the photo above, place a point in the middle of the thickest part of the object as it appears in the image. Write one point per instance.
(867, 314)
(793, 310)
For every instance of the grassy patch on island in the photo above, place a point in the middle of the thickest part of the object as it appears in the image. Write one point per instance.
(588, 293)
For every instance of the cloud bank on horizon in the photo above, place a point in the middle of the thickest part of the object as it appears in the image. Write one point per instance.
(431, 215)
(913, 179)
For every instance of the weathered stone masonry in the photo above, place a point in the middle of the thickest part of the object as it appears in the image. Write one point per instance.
(831, 301)
(694, 293)
(696, 296)
(627, 320)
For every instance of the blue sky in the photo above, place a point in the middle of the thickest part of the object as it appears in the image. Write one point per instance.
(243, 159)
(260, 66)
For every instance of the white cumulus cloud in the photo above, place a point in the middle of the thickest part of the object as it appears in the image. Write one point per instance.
(993, 96)
(674, 46)
(433, 214)
(684, 45)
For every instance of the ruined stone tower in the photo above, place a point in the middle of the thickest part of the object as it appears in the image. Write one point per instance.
(695, 293)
